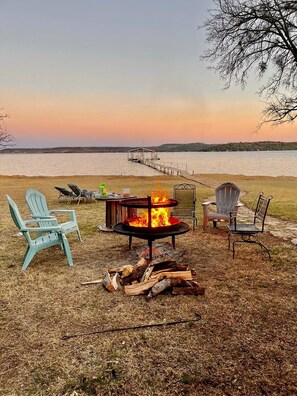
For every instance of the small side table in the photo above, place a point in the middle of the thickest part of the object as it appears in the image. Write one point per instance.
(114, 211)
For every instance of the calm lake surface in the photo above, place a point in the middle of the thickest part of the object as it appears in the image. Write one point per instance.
(259, 163)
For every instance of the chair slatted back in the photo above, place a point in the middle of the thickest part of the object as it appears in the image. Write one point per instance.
(65, 192)
(185, 194)
(227, 196)
(37, 202)
(75, 189)
(17, 218)
(38, 206)
(261, 209)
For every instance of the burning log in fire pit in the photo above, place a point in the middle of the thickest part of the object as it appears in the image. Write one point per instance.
(153, 278)
(153, 222)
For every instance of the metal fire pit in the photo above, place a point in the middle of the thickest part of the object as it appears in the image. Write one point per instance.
(150, 233)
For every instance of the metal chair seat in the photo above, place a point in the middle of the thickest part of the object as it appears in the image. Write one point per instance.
(244, 229)
(248, 232)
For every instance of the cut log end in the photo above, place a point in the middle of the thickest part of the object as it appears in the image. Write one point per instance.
(106, 282)
(153, 278)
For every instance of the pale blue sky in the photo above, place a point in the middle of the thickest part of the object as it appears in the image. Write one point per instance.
(109, 72)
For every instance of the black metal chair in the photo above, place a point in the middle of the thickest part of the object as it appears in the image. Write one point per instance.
(248, 232)
(81, 194)
(185, 194)
(63, 193)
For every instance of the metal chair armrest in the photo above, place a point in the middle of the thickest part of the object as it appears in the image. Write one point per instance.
(233, 218)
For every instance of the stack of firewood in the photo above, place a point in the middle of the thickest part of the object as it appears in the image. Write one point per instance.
(152, 278)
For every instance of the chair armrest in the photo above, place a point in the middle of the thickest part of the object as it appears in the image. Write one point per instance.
(71, 212)
(233, 218)
(208, 203)
(43, 229)
(62, 211)
(31, 221)
(43, 217)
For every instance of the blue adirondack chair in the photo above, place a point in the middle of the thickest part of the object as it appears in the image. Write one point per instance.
(47, 235)
(40, 211)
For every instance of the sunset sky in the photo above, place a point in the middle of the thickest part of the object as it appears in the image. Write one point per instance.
(118, 72)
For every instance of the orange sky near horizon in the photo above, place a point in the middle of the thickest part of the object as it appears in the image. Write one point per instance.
(108, 120)
(130, 75)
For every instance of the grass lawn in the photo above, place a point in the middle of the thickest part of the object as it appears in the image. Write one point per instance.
(244, 344)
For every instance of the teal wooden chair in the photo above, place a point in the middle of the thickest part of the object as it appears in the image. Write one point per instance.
(47, 235)
(40, 211)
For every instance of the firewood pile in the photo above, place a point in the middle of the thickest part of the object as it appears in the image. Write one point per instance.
(152, 278)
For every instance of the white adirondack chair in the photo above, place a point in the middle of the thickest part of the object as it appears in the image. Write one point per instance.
(226, 202)
(45, 217)
(48, 235)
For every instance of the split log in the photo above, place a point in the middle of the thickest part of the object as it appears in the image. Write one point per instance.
(136, 274)
(94, 282)
(160, 264)
(139, 288)
(127, 270)
(113, 270)
(181, 282)
(123, 270)
(147, 273)
(171, 268)
(188, 290)
(189, 287)
(115, 281)
(142, 261)
(106, 282)
(159, 287)
(187, 275)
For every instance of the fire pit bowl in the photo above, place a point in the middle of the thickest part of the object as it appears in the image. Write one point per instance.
(146, 203)
(174, 222)
(154, 223)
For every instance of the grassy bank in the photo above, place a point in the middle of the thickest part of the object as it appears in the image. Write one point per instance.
(243, 345)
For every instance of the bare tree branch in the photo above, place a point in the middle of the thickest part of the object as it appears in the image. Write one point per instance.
(6, 139)
(257, 36)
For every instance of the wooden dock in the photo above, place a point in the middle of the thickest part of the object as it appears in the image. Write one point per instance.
(163, 168)
(151, 159)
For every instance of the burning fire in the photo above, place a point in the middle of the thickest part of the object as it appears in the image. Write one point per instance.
(160, 217)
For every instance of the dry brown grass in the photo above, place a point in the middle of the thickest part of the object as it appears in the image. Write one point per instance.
(245, 343)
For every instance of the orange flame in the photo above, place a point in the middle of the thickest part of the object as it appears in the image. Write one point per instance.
(159, 216)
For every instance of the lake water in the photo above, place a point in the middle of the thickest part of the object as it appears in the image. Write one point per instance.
(257, 163)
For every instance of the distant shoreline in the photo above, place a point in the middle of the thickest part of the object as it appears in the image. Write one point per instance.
(169, 147)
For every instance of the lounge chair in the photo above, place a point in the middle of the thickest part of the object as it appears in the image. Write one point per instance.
(47, 235)
(63, 193)
(81, 194)
(227, 195)
(185, 194)
(248, 232)
(41, 213)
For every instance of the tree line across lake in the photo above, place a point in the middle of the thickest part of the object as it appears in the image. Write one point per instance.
(168, 147)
